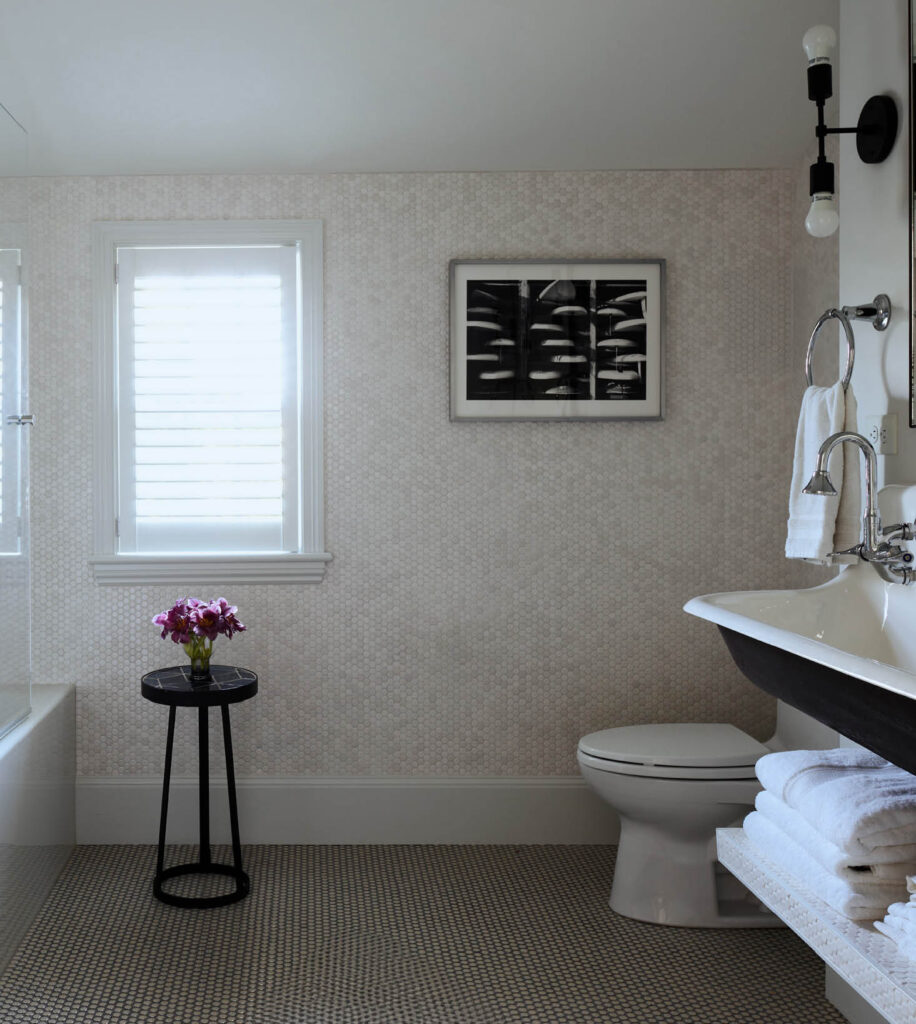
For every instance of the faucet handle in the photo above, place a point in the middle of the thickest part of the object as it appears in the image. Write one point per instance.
(890, 555)
(856, 551)
(899, 531)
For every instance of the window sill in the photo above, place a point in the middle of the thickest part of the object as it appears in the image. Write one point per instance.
(131, 570)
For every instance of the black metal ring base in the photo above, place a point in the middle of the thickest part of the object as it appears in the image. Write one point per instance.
(242, 885)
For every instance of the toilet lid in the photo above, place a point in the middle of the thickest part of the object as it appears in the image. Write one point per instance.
(699, 745)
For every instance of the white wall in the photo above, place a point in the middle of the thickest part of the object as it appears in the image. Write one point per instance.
(874, 216)
(497, 589)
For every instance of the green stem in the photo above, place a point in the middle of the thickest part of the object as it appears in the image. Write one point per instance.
(199, 647)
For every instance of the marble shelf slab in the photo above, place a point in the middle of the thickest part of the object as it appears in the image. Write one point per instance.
(867, 960)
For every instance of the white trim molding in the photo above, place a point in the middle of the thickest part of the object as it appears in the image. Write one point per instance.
(308, 562)
(115, 570)
(552, 809)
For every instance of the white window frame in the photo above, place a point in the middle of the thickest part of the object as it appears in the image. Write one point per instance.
(14, 541)
(109, 566)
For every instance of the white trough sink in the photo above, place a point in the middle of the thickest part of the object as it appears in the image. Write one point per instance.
(855, 624)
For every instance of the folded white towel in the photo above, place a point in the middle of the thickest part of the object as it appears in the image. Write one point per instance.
(779, 770)
(906, 944)
(836, 892)
(819, 525)
(853, 798)
(887, 864)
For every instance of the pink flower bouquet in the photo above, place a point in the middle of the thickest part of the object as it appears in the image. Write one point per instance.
(195, 624)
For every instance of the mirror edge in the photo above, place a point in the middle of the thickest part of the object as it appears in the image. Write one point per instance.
(911, 163)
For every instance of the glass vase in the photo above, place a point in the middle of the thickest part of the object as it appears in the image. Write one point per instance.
(200, 651)
(200, 668)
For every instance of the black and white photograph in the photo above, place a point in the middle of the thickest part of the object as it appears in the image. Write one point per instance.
(559, 340)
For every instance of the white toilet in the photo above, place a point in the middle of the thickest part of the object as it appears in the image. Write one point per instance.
(672, 786)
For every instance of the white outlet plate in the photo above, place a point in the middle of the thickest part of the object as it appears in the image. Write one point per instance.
(882, 432)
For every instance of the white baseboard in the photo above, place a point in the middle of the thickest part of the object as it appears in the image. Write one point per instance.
(351, 810)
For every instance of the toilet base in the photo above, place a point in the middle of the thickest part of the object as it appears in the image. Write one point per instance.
(665, 879)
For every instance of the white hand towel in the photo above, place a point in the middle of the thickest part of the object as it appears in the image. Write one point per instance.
(906, 945)
(890, 929)
(836, 892)
(903, 916)
(886, 864)
(848, 531)
(859, 807)
(819, 525)
(778, 771)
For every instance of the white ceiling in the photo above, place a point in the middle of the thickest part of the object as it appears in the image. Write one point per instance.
(155, 86)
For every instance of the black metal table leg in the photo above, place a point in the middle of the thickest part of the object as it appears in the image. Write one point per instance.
(164, 810)
(203, 799)
(241, 878)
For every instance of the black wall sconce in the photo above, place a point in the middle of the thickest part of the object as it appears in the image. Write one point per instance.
(875, 132)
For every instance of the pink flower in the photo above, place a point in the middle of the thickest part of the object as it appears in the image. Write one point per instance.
(206, 619)
(228, 623)
(176, 621)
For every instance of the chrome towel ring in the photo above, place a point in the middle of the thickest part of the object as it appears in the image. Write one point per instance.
(832, 314)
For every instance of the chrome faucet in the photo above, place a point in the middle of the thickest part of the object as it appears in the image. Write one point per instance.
(889, 559)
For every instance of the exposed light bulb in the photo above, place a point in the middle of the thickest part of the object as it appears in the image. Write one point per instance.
(822, 219)
(818, 42)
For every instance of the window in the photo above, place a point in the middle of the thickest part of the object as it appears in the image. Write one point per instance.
(11, 435)
(209, 434)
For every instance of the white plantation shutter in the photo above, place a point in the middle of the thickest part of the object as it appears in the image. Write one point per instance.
(208, 410)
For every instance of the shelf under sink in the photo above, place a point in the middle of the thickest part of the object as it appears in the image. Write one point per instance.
(864, 958)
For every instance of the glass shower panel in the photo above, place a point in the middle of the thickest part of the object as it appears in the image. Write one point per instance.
(15, 647)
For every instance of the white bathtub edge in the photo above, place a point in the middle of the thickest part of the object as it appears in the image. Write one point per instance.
(44, 700)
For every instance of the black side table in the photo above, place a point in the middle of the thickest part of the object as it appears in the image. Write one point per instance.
(172, 687)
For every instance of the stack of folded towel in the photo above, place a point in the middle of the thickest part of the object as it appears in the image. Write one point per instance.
(842, 821)
(900, 922)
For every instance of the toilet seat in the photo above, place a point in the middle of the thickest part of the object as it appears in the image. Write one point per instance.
(673, 751)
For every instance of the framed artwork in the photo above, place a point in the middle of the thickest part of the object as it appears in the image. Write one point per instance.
(557, 339)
